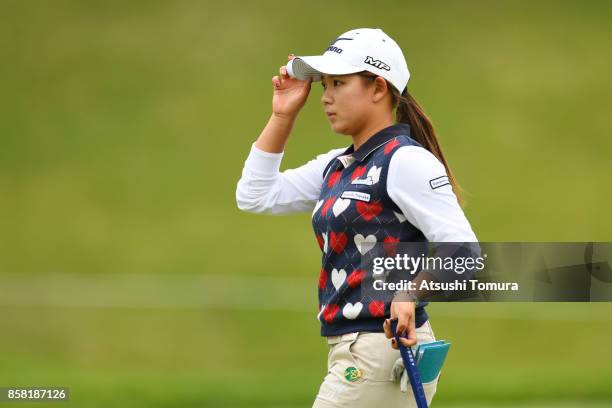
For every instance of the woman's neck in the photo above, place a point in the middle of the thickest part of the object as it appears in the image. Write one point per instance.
(370, 130)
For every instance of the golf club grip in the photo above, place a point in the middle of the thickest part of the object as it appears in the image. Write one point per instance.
(411, 369)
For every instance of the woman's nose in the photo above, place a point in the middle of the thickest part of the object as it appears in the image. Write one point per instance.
(326, 97)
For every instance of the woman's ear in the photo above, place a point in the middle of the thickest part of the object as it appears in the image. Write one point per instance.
(380, 89)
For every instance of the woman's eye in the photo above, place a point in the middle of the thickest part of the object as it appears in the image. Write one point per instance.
(335, 82)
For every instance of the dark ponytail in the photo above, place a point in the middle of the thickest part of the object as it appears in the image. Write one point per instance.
(422, 130)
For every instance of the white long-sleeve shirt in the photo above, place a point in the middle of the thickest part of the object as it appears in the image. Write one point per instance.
(416, 182)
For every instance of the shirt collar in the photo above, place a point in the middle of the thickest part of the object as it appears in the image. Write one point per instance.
(349, 156)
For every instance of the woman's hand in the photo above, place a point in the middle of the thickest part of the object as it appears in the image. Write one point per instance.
(404, 312)
(290, 94)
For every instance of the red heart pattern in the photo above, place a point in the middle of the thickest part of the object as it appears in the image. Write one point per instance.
(329, 312)
(377, 308)
(337, 241)
(391, 145)
(333, 178)
(328, 204)
(369, 210)
(390, 245)
(322, 279)
(358, 172)
(355, 278)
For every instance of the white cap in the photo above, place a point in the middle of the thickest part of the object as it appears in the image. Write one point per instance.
(361, 49)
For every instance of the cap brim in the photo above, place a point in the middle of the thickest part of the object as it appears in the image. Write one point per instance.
(316, 65)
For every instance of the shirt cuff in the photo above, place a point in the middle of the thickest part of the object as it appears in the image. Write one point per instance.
(263, 162)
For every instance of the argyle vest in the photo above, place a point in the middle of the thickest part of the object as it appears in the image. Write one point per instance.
(354, 210)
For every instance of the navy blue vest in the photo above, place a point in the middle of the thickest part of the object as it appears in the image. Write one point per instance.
(354, 211)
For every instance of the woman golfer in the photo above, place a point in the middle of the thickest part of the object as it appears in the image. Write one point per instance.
(392, 184)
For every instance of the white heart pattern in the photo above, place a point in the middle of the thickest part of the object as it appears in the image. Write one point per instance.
(374, 174)
(338, 277)
(340, 205)
(400, 217)
(317, 206)
(364, 244)
(351, 311)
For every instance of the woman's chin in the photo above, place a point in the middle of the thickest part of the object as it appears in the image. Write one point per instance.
(338, 128)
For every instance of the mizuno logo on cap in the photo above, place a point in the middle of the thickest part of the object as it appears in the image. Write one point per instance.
(377, 63)
(336, 49)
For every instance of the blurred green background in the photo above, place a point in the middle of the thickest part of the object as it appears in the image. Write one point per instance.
(127, 272)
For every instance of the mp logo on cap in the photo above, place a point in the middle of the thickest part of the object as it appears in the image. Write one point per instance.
(377, 63)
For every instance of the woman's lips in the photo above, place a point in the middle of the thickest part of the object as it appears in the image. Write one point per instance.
(330, 114)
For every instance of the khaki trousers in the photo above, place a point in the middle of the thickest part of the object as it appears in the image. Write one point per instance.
(359, 372)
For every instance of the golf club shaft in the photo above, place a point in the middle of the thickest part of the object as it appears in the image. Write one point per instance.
(411, 369)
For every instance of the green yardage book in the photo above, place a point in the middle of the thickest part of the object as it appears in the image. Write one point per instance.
(430, 359)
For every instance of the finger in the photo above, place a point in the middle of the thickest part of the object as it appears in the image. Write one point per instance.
(402, 325)
(283, 71)
(408, 342)
(290, 57)
(387, 329)
(394, 344)
(275, 82)
(412, 338)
